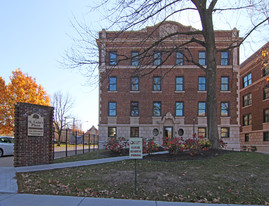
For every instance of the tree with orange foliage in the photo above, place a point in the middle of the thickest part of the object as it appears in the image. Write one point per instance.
(5, 121)
(22, 88)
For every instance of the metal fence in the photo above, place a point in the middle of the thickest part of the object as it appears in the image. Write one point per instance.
(73, 143)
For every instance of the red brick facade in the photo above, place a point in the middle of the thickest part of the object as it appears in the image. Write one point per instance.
(253, 103)
(168, 95)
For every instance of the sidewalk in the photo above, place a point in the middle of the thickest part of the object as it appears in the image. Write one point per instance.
(51, 200)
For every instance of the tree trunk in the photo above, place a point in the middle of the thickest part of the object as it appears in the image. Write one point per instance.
(211, 74)
(59, 134)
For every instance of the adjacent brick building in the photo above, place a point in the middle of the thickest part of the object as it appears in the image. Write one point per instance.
(163, 94)
(254, 104)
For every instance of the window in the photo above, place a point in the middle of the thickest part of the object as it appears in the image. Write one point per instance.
(135, 59)
(112, 84)
(179, 109)
(157, 58)
(247, 119)
(202, 132)
(134, 112)
(134, 132)
(155, 131)
(247, 80)
(266, 92)
(157, 84)
(224, 56)
(266, 115)
(134, 83)
(224, 84)
(180, 132)
(265, 70)
(225, 110)
(266, 136)
(247, 100)
(112, 131)
(201, 109)
(112, 109)
(113, 58)
(201, 84)
(179, 83)
(247, 137)
(225, 132)
(202, 58)
(179, 58)
(157, 109)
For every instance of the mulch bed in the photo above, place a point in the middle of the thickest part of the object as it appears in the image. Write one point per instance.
(173, 158)
(186, 156)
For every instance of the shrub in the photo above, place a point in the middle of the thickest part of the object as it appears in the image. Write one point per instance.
(173, 145)
(193, 145)
(204, 143)
(149, 146)
(117, 145)
(196, 146)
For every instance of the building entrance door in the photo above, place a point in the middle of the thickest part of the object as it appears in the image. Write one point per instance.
(168, 132)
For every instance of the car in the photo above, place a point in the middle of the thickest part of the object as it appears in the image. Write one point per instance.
(6, 146)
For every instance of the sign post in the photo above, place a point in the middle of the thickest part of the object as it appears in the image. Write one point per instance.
(135, 152)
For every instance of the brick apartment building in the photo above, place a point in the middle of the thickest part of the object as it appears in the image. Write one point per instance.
(163, 94)
(254, 96)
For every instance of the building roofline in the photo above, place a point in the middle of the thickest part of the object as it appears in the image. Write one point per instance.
(165, 22)
(253, 56)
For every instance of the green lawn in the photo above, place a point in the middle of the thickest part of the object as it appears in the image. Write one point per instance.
(233, 178)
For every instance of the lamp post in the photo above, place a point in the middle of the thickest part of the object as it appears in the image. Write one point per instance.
(83, 135)
(193, 129)
(66, 134)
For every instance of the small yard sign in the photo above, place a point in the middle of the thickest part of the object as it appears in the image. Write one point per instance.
(135, 152)
(135, 148)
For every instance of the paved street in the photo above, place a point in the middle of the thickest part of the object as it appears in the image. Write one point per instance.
(6, 161)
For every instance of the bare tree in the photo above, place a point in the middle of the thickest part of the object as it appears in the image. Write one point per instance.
(62, 107)
(130, 14)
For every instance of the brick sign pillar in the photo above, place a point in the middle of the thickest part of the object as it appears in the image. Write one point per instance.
(33, 135)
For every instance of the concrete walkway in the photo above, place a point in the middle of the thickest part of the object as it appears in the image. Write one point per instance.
(51, 200)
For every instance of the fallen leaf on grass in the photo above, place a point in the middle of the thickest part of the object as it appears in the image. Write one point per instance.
(180, 197)
(203, 201)
(216, 200)
(166, 195)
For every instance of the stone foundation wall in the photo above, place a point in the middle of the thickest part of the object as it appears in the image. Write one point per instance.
(255, 139)
(146, 131)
